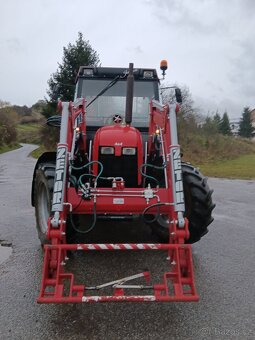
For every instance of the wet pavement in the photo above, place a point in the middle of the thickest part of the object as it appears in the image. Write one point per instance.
(224, 272)
(5, 253)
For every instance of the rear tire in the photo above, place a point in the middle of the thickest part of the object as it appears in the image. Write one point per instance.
(43, 191)
(198, 206)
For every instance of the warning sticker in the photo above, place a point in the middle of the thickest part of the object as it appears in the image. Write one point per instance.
(118, 201)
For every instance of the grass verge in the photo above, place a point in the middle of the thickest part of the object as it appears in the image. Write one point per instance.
(6, 148)
(37, 152)
(242, 167)
(29, 133)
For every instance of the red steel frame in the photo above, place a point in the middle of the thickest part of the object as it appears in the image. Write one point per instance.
(180, 272)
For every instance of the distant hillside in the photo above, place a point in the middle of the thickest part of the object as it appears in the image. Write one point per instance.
(27, 114)
(200, 146)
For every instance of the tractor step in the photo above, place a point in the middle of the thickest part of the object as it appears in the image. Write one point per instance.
(177, 284)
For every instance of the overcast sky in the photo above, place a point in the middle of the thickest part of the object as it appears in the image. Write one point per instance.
(209, 44)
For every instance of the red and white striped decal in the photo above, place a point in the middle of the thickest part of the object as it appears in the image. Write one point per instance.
(119, 246)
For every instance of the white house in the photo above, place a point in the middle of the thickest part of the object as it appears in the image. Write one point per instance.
(234, 125)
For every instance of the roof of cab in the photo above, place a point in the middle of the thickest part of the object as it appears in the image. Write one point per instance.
(112, 72)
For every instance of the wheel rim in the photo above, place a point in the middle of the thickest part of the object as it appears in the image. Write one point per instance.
(44, 210)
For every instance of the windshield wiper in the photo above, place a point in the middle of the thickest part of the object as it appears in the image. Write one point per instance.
(107, 87)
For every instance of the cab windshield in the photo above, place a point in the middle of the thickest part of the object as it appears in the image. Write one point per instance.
(113, 101)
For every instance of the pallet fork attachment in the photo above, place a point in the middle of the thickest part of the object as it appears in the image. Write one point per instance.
(180, 276)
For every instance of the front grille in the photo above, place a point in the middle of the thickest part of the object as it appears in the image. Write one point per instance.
(121, 166)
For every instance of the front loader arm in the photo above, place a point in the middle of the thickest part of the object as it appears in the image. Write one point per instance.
(163, 126)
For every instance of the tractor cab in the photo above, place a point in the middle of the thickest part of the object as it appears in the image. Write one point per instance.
(111, 140)
(104, 89)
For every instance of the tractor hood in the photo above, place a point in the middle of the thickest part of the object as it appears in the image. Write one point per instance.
(118, 136)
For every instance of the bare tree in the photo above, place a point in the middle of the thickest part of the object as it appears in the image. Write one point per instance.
(168, 96)
(4, 103)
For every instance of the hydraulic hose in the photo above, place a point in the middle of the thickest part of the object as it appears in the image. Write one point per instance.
(151, 166)
(73, 179)
(85, 166)
(54, 121)
(158, 212)
(92, 225)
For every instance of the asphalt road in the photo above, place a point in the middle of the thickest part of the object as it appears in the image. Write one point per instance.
(224, 272)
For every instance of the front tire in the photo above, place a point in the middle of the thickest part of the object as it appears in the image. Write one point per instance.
(43, 191)
(198, 206)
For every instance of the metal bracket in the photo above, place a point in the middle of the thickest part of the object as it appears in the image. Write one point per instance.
(148, 193)
(181, 219)
(86, 191)
(55, 220)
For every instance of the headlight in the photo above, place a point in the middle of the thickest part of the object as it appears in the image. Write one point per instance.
(88, 72)
(148, 74)
(107, 150)
(128, 151)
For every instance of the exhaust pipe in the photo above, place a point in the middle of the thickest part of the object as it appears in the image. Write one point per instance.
(129, 96)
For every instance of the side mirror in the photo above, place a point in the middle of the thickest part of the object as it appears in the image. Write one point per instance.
(178, 95)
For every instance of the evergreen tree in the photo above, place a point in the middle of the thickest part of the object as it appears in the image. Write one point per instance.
(224, 126)
(62, 82)
(74, 55)
(209, 126)
(217, 120)
(245, 126)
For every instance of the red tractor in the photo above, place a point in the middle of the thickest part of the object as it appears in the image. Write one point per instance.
(118, 157)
